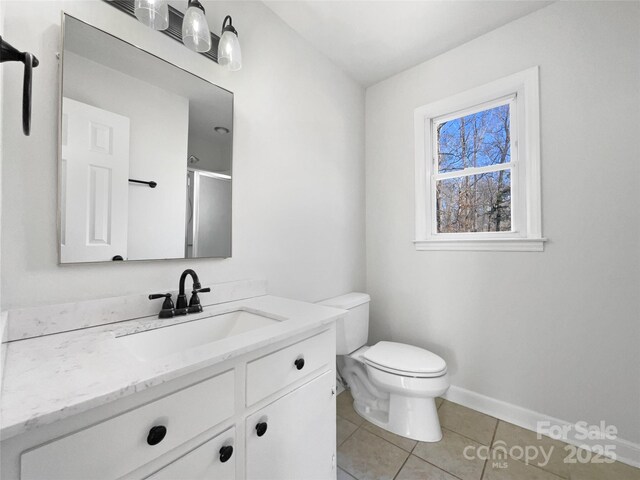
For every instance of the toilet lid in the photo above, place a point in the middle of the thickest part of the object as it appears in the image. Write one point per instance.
(407, 359)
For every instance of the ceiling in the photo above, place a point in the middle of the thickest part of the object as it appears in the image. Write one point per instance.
(373, 40)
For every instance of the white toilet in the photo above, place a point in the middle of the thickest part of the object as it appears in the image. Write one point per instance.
(394, 385)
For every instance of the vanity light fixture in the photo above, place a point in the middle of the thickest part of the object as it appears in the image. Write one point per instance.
(229, 53)
(153, 13)
(190, 28)
(195, 29)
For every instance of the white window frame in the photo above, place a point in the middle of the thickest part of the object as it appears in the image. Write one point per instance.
(521, 92)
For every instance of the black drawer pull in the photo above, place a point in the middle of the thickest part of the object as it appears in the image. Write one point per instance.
(225, 453)
(299, 363)
(156, 434)
(261, 428)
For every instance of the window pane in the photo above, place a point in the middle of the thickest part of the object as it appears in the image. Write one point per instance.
(475, 140)
(475, 203)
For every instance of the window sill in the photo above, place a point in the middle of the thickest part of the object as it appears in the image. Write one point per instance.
(480, 244)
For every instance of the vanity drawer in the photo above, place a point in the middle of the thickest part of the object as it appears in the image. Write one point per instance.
(275, 371)
(121, 444)
(206, 462)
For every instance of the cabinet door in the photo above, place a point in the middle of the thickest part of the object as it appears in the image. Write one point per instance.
(216, 459)
(300, 437)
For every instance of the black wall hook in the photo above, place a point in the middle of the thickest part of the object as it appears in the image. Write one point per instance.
(8, 53)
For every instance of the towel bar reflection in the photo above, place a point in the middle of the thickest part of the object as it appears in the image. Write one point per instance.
(152, 184)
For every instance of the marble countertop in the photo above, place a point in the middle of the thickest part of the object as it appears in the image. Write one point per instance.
(52, 377)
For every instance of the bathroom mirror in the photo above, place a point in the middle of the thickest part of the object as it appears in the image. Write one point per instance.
(145, 155)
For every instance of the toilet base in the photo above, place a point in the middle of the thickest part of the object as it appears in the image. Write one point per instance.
(405, 406)
(410, 417)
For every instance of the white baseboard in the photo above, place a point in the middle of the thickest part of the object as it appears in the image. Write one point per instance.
(626, 451)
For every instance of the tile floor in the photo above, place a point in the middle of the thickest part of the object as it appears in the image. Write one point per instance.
(367, 452)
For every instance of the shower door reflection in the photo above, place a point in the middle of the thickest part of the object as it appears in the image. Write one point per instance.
(208, 214)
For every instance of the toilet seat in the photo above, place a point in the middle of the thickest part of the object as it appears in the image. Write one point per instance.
(404, 360)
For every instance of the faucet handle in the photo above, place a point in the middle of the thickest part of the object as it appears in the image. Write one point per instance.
(167, 305)
(194, 301)
(155, 296)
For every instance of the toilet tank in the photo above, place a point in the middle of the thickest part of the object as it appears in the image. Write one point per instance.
(352, 330)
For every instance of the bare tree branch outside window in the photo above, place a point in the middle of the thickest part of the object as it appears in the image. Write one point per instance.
(474, 202)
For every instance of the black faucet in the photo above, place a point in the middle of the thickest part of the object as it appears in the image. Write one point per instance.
(181, 307)
(194, 302)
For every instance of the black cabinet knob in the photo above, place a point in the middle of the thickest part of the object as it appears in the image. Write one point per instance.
(225, 453)
(299, 363)
(156, 434)
(261, 428)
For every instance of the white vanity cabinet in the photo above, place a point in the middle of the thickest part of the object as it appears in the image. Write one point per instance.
(209, 419)
(294, 438)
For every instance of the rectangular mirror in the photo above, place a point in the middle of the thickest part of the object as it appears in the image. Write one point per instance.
(145, 161)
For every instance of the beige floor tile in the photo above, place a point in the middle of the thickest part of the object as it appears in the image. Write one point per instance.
(344, 429)
(509, 436)
(402, 442)
(439, 401)
(603, 471)
(368, 457)
(448, 454)
(513, 469)
(344, 406)
(467, 422)
(342, 475)
(417, 469)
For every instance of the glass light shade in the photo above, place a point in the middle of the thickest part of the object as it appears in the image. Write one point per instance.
(229, 54)
(153, 13)
(195, 30)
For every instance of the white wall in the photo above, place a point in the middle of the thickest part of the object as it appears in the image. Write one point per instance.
(298, 191)
(212, 149)
(1, 142)
(556, 332)
(159, 124)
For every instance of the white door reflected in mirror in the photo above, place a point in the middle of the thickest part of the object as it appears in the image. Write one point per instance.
(94, 184)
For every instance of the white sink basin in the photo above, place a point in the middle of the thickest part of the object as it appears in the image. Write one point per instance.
(164, 341)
